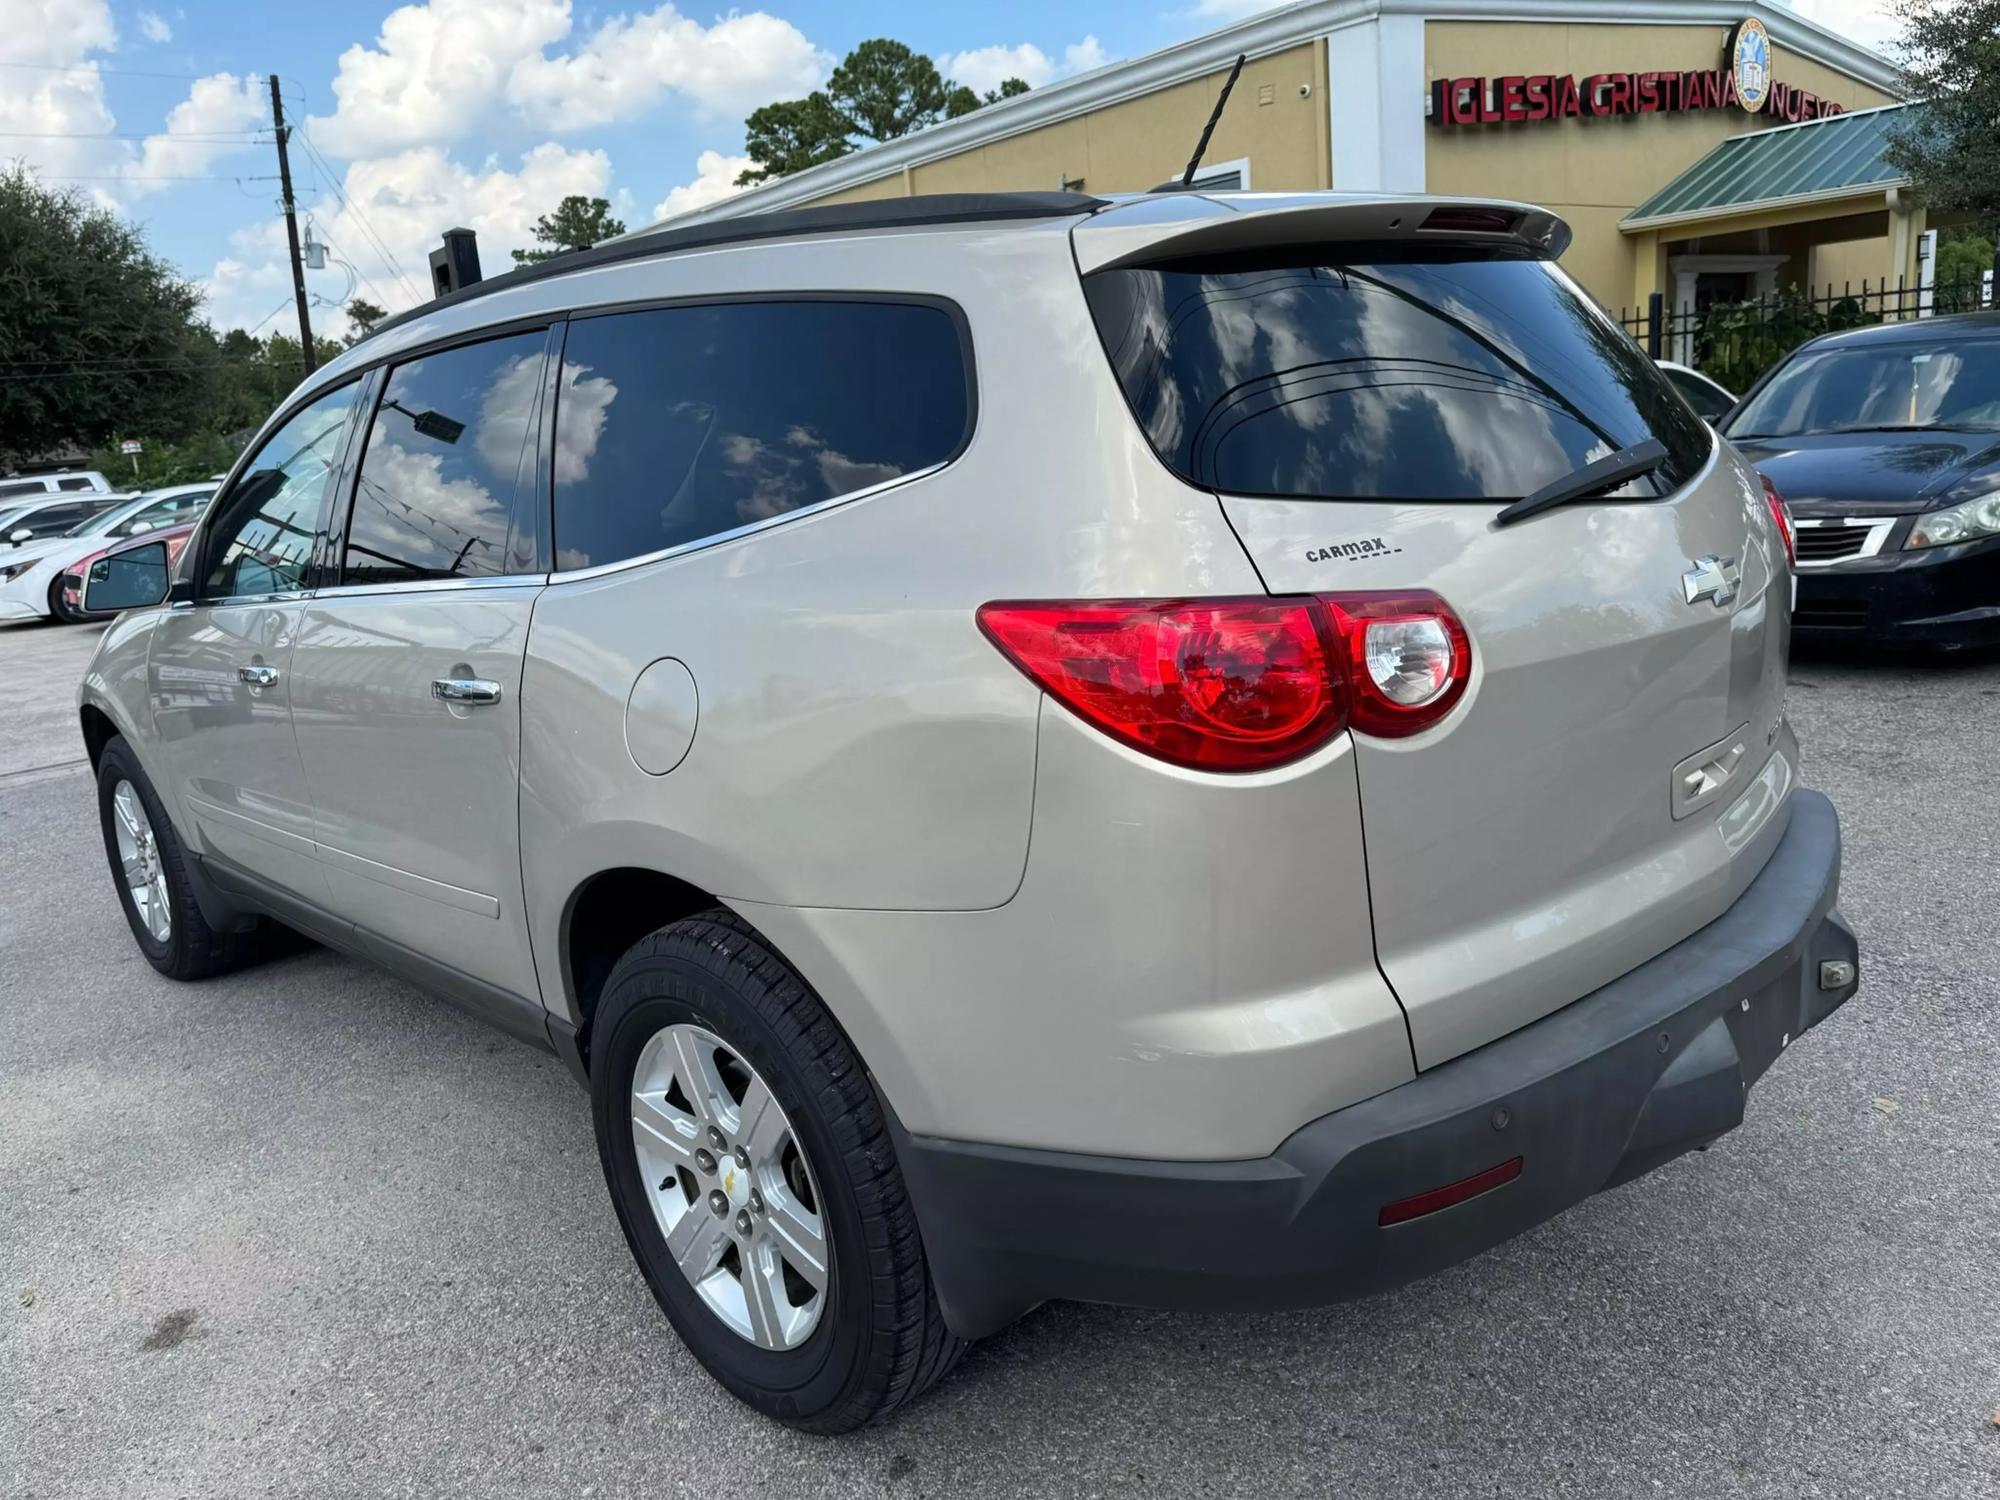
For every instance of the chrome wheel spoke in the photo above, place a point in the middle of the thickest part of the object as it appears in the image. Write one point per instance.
(157, 913)
(760, 1125)
(697, 1242)
(694, 1064)
(662, 1129)
(799, 1231)
(764, 1299)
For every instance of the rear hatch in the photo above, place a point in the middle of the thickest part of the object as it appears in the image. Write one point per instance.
(1363, 396)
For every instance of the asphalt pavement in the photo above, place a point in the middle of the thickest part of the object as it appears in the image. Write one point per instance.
(305, 1231)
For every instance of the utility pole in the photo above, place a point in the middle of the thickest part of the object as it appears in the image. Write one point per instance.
(292, 228)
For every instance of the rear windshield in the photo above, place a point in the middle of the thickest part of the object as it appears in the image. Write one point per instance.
(1440, 377)
(1953, 385)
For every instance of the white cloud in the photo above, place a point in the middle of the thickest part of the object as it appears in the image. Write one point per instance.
(438, 69)
(219, 105)
(54, 31)
(1081, 57)
(434, 70)
(621, 71)
(986, 68)
(1865, 21)
(407, 200)
(154, 28)
(55, 115)
(714, 179)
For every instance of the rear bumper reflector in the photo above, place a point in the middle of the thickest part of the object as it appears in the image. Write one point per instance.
(1419, 1204)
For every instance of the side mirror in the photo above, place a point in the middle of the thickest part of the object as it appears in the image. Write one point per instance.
(25, 534)
(140, 526)
(127, 580)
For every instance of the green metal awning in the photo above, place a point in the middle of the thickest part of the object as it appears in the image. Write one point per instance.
(1838, 157)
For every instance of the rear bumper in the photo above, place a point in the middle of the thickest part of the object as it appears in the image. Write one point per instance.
(1652, 1065)
(1934, 596)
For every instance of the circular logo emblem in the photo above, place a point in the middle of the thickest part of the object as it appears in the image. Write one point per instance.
(1750, 63)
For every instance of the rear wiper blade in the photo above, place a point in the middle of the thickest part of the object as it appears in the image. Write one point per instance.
(1607, 473)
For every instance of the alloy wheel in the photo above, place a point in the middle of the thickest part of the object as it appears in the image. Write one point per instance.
(730, 1186)
(139, 862)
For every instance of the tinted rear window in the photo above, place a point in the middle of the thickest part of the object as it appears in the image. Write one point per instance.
(682, 423)
(1439, 379)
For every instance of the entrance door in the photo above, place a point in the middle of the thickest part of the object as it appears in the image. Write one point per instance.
(406, 679)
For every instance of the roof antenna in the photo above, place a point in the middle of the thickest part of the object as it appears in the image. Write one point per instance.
(1187, 177)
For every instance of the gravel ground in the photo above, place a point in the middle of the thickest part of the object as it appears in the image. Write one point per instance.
(305, 1231)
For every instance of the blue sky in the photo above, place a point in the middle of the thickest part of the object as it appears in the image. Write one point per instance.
(484, 112)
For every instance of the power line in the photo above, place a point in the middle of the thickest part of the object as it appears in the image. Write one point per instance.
(215, 137)
(76, 67)
(148, 177)
(360, 219)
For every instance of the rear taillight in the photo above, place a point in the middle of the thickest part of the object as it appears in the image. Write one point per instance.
(1781, 517)
(1245, 683)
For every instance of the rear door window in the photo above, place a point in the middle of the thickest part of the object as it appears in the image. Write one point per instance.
(1382, 375)
(76, 484)
(452, 441)
(678, 424)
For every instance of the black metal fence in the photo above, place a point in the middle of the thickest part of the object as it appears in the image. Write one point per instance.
(1735, 342)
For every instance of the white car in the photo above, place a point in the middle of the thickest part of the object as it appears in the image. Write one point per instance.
(1709, 399)
(18, 487)
(31, 572)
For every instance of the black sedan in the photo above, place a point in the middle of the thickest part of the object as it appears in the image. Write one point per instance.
(1886, 443)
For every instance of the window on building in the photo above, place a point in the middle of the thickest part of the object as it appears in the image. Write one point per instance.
(682, 423)
(446, 452)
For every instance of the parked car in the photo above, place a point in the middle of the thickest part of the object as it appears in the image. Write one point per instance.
(909, 759)
(15, 488)
(50, 515)
(1886, 443)
(1709, 399)
(31, 573)
(71, 583)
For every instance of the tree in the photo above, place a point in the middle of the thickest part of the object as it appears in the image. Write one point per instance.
(577, 224)
(98, 337)
(1950, 54)
(882, 90)
(364, 315)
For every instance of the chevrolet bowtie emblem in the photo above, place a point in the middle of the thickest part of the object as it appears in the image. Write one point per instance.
(1712, 578)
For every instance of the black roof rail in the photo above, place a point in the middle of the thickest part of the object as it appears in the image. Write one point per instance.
(832, 218)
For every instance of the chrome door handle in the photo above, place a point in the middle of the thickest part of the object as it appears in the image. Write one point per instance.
(258, 677)
(465, 690)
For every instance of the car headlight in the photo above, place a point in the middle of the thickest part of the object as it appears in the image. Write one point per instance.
(1967, 521)
(11, 571)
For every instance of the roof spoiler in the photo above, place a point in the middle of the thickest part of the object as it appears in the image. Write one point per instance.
(1155, 228)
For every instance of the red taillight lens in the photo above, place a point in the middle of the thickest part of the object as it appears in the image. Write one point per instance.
(1219, 684)
(1240, 684)
(1781, 516)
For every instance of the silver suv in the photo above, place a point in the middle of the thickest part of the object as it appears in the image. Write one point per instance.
(1180, 752)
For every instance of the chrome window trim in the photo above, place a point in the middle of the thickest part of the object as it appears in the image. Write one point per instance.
(1878, 527)
(289, 596)
(431, 586)
(700, 544)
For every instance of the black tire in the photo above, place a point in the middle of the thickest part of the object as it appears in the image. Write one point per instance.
(880, 1341)
(193, 949)
(60, 612)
